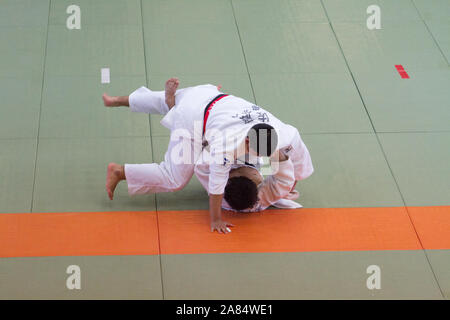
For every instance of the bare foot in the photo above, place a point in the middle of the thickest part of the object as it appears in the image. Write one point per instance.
(114, 174)
(219, 87)
(171, 88)
(108, 100)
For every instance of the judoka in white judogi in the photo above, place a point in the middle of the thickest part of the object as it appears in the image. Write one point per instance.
(224, 133)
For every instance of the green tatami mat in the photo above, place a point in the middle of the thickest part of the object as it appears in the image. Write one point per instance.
(376, 140)
(71, 174)
(397, 42)
(298, 275)
(86, 51)
(192, 196)
(420, 162)
(186, 38)
(193, 49)
(254, 11)
(29, 13)
(22, 51)
(102, 277)
(420, 103)
(171, 12)
(16, 182)
(280, 47)
(237, 85)
(98, 12)
(441, 33)
(356, 10)
(313, 102)
(435, 10)
(436, 15)
(19, 111)
(440, 262)
(350, 171)
(73, 107)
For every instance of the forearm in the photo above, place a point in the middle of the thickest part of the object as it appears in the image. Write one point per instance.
(122, 101)
(215, 211)
(215, 207)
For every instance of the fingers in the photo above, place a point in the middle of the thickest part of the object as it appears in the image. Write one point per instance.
(222, 229)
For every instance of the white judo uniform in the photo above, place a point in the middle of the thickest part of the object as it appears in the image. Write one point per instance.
(227, 126)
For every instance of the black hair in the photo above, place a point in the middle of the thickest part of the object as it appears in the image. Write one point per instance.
(241, 193)
(263, 139)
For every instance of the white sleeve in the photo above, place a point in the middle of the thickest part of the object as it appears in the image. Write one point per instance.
(218, 178)
(300, 157)
(277, 186)
(219, 168)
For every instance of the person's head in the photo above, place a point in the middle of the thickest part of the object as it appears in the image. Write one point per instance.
(262, 140)
(241, 191)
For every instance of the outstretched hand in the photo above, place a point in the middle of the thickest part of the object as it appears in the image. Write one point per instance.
(221, 226)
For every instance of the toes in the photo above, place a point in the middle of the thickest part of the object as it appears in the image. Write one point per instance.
(172, 82)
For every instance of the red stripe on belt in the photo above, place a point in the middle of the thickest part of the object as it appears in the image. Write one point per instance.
(209, 107)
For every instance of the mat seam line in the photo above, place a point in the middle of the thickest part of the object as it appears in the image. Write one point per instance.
(151, 147)
(243, 51)
(382, 149)
(407, 210)
(429, 31)
(40, 108)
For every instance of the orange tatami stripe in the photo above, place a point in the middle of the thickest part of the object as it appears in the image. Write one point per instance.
(296, 230)
(187, 232)
(432, 225)
(78, 234)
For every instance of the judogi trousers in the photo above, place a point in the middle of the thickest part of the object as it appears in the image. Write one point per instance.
(177, 169)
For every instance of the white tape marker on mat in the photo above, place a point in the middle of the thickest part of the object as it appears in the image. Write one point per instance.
(105, 75)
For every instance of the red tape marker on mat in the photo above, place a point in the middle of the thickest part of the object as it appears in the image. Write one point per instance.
(402, 71)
